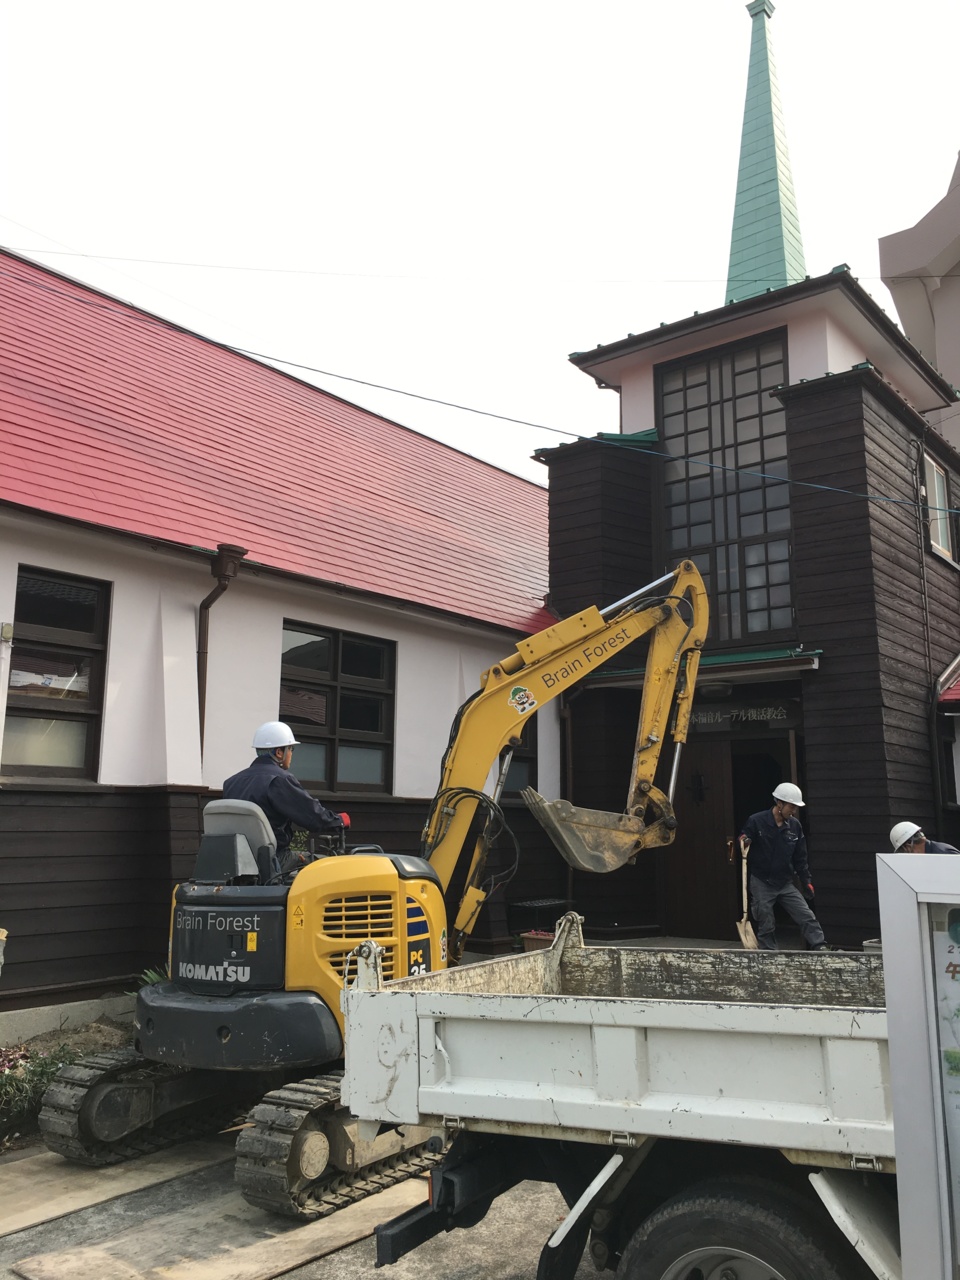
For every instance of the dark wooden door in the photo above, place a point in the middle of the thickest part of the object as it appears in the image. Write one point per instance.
(699, 889)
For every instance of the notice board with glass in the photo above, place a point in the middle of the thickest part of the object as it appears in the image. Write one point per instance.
(920, 921)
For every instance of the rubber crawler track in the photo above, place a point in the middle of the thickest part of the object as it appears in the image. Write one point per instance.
(59, 1118)
(264, 1149)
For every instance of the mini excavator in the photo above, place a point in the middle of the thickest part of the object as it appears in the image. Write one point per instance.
(249, 1019)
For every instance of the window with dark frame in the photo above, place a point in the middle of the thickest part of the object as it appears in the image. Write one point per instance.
(726, 496)
(523, 767)
(337, 695)
(55, 690)
(940, 523)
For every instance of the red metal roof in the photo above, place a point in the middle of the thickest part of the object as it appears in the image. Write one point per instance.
(119, 419)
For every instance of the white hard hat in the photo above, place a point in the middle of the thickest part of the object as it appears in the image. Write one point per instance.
(789, 794)
(274, 734)
(901, 833)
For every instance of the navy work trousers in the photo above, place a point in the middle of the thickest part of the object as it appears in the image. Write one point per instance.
(763, 899)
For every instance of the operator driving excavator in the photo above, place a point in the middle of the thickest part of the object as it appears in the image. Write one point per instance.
(251, 1008)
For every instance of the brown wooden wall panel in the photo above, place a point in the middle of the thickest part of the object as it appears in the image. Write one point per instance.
(846, 769)
(86, 878)
(600, 524)
(862, 581)
(601, 549)
(604, 731)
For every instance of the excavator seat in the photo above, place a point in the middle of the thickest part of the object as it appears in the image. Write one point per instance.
(237, 841)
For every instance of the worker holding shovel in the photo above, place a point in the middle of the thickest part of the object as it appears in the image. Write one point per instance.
(776, 851)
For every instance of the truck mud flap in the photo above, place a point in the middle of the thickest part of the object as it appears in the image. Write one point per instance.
(462, 1188)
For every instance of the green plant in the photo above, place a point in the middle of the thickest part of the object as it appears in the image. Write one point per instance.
(952, 1058)
(148, 977)
(24, 1076)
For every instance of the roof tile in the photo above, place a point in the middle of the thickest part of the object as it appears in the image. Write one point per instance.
(117, 418)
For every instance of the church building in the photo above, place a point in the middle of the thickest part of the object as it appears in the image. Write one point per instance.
(793, 443)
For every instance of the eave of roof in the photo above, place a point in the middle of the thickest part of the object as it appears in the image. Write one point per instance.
(117, 419)
(839, 279)
(641, 440)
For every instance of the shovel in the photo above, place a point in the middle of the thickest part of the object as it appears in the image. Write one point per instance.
(745, 929)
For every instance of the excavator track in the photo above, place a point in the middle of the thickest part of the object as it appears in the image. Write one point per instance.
(266, 1155)
(61, 1123)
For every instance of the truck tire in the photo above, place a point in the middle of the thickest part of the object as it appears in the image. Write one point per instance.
(760, 1233)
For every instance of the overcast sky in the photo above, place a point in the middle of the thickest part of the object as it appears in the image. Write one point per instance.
(449, 198)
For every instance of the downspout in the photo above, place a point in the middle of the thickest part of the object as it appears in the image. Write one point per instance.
(933, 737)
(225, 567)
(6, 652)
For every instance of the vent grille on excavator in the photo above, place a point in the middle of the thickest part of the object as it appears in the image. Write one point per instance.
(361, 916)
(358, 917)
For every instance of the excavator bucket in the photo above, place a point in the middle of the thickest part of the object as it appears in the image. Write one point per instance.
(589, 839)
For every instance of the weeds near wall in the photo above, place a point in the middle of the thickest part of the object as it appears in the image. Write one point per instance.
(24, 1076)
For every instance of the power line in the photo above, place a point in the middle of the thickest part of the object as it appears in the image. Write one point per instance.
(127, 312)
(383, 275)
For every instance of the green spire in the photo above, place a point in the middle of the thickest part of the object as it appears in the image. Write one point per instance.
(766, 251)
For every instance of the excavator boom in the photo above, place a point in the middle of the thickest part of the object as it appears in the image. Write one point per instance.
(674, 609)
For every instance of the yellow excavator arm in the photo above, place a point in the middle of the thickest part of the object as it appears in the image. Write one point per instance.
(674, 609)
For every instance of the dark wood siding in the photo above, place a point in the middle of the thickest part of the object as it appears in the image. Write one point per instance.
(86, 885)
(87, 875)
(600, 524)
(863, 585)
(604, 733)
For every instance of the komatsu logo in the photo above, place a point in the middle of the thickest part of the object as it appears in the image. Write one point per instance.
(216, 972)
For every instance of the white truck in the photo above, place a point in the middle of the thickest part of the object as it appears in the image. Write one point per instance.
(707, 1114)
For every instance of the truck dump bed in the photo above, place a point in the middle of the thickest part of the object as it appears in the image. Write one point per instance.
(611, 1044)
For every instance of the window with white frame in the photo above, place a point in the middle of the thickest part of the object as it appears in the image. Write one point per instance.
(55, 691)
(940, 520)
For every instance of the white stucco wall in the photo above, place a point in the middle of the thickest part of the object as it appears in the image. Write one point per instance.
(151, 724)
(438, 666)
(817, 344)
(151, 731)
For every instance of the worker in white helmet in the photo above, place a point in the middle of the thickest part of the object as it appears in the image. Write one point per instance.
(777, 851)
(908, 837)
(269, 783)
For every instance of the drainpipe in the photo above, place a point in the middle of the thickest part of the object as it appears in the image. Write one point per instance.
(6, 652)
(933, 738)
(225, 567)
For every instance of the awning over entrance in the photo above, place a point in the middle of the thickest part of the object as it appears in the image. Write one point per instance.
(749, 666)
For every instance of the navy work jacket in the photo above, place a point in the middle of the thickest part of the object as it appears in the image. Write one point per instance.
(282, 799)
(776, 853)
